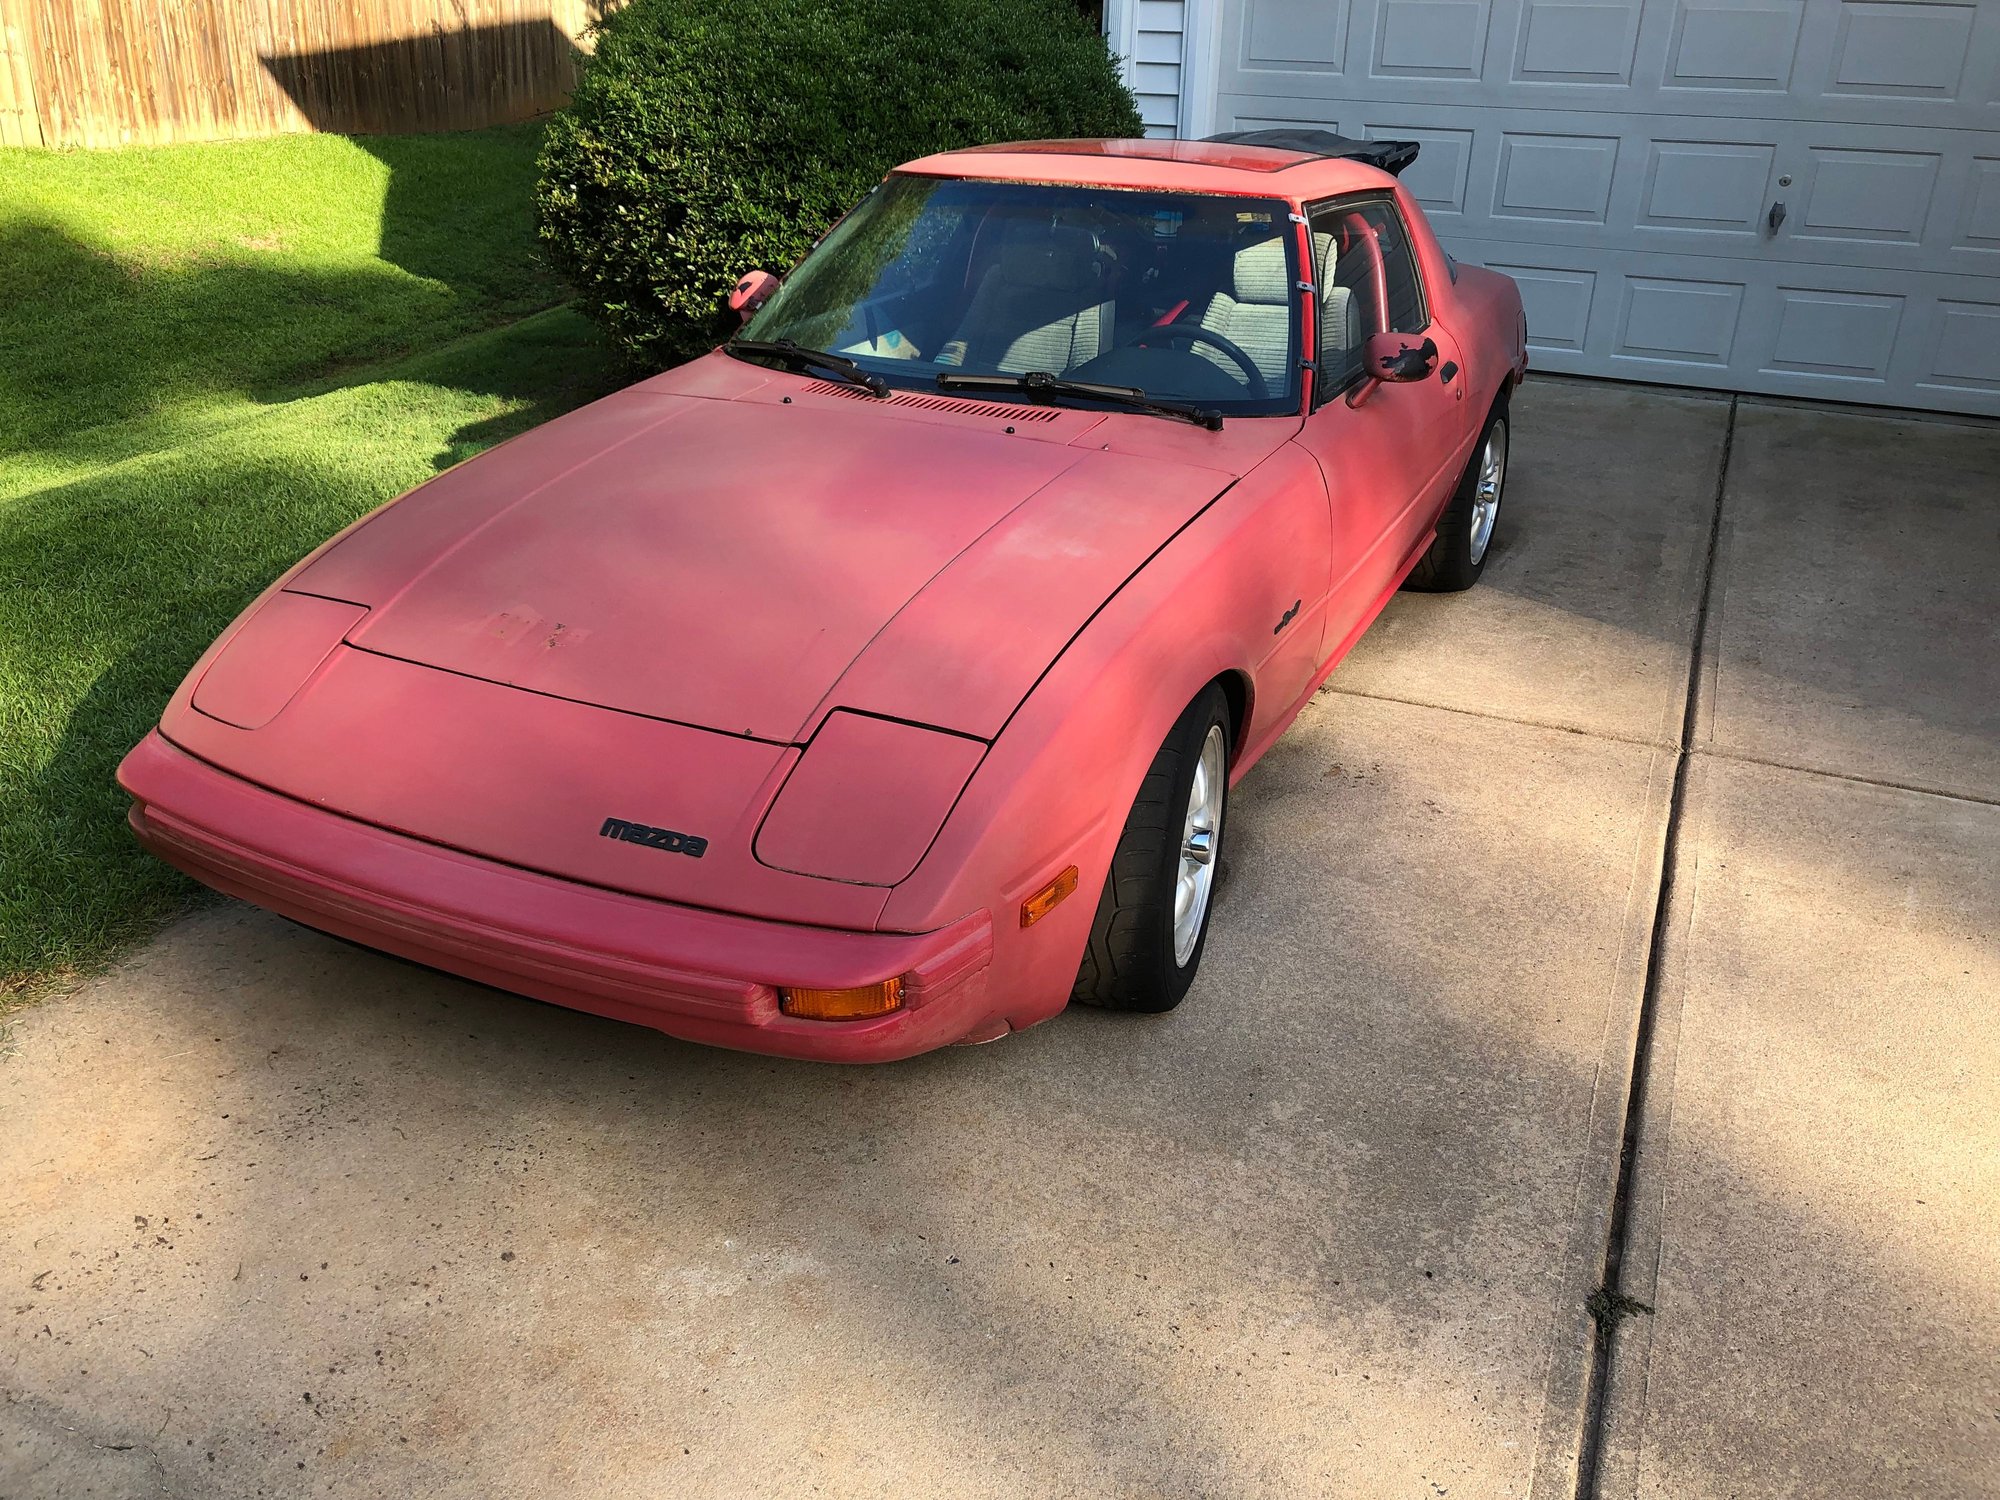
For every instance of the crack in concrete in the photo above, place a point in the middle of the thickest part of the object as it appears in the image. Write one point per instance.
(1625, 739)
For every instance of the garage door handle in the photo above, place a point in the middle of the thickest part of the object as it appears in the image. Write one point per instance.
(1776, 216)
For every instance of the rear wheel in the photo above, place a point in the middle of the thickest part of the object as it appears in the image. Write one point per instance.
(1465, 532)
(1151, 925)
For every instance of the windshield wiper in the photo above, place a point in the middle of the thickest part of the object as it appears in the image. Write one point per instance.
(811, 359)
(1043, 383)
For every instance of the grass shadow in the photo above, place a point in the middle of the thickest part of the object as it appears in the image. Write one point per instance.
(146, 296)
(111, 585)
(219, 355)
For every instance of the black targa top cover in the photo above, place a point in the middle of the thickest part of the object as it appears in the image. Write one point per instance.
(1390, 156)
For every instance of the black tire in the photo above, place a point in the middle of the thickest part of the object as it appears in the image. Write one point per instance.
(1453, 562)
(1130, 962)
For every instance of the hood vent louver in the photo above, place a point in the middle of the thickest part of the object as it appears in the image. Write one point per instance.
(939, 403)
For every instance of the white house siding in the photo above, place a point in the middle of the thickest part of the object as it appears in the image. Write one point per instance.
(1621, 159)
(1147, 37)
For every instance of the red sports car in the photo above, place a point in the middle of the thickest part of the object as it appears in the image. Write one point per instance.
(876, 681)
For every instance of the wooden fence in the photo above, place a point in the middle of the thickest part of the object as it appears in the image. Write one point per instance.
(119, 72)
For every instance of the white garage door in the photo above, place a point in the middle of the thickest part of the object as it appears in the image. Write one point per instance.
(1792, 196)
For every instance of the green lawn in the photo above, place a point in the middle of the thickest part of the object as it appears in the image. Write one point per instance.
(217, 356)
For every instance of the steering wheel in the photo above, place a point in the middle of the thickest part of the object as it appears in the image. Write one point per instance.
(1194, 333)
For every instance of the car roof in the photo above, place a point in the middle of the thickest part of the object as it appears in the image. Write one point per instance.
(1185, 166)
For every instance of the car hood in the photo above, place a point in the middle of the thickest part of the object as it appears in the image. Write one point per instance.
(746, 562)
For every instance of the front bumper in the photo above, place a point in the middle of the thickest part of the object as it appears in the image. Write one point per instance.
(700, 975)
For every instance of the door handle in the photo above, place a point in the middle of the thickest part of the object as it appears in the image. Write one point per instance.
(1449, 371)
(1776, 216)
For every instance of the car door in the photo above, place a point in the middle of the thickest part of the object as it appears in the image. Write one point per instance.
(1390, 461)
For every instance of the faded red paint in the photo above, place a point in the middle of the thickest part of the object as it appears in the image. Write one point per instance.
(898, 662)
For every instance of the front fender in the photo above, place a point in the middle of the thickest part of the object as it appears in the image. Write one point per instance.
(1056, 786)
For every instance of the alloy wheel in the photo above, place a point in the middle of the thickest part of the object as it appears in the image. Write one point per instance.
(1201, 842)
(1486, 490)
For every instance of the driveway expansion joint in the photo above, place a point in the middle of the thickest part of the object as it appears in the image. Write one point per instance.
(1474, 713)
(1590, 1455)
(1855, 777)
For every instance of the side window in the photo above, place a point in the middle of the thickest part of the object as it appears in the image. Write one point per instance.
(1368, 283)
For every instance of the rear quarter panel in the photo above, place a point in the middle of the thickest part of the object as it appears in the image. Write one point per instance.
(1496, 341)
(1481, 308)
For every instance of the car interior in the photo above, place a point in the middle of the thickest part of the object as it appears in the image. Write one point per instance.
(1183, 296)
(1188, 304)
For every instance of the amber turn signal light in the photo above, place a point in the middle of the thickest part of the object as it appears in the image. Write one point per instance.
(1049, 897)
(842, 1005)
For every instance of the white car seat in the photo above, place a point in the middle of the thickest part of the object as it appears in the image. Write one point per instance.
(1041, 307)
(1340, 329)
(1255, 314)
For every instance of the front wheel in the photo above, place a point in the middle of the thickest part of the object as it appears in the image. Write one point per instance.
(1151, 925)
(1465, 532)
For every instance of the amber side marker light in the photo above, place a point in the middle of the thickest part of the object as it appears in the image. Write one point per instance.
(842, 1005)
(1049, 897)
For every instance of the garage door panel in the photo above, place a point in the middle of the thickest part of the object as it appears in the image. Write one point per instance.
(1709, 187)
(1880, 196)
(1850, 327)
(1625, 160)
(1302, 37)
(1557, 300)
(1577, 41)
(1897, 62)
(1443, 167)
(1902, 48)
(1685, 183)
(1546, 174)
(1979, 224)
(1680, 320)
(1430, 39)
(1720, 45)
(1964, 354)
(1835, 332)
(1849, 335)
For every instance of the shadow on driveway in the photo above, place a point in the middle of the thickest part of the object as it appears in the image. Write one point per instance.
(1309, 1235)
(1325, 1230)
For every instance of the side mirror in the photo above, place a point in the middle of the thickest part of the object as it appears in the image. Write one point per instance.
(1393, 357)
(751, 292)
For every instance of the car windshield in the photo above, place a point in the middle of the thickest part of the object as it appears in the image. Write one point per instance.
(1187, 297)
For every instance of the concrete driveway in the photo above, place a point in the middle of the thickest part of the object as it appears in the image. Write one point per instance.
(283, 1217)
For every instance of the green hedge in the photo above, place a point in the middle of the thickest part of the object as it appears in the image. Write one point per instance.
(710, 137)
